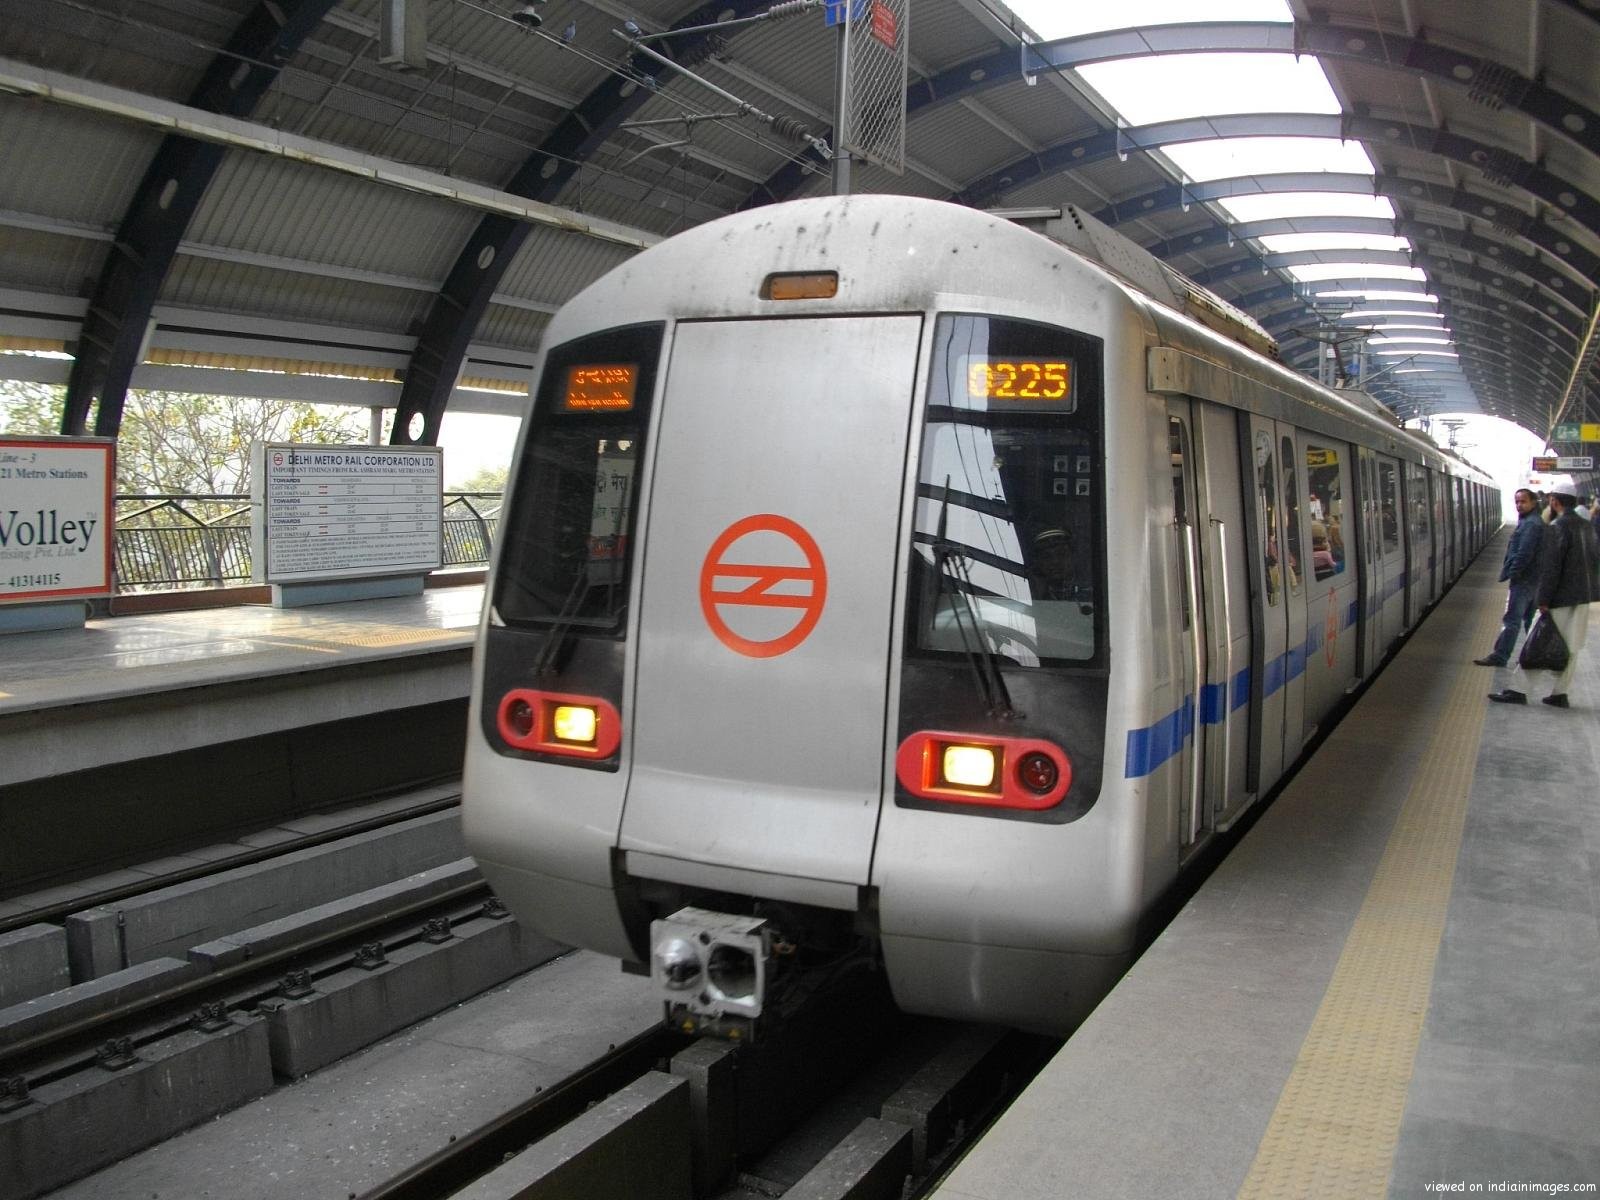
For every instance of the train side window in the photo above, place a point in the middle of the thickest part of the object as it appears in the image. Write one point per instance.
(1389, 505)
(1325, 484)
(1291, 511)
(1417, 502)
(1267, 512)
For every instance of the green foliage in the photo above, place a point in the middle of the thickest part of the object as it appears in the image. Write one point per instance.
(487, 479)
(174, 442)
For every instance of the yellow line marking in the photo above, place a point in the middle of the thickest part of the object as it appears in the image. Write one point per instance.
(1337, 1123)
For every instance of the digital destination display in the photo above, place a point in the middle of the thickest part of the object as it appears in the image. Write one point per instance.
(604, 387)
(1019, 379)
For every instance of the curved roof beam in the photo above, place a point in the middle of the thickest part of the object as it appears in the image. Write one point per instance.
(1444, 272)
(1491, 83)
(1501, 167)
(1457, 315)
(1222, 272)
(1502, 289)
(457, 310)
(1418, 194)
(163, 206)
(1579, 264)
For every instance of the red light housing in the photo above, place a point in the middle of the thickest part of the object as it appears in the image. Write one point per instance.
(526, 720)
(1029, 774)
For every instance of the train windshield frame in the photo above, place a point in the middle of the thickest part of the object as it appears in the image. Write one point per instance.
(1008, 553)
(574, 503)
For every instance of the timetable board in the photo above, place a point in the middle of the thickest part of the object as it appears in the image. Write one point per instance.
(346, 512)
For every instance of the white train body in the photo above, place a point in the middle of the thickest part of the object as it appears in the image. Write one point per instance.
(965, 502)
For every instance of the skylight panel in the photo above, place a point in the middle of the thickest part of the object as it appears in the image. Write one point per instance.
(1409, 341)
(1318, 272)
(1052, 19)
(1234, 158)
(1291, 243)
(1266, 206)
(1425, 297)
(1368, 314)
(1168, 87)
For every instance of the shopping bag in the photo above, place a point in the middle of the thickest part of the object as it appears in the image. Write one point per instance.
(1545, 649)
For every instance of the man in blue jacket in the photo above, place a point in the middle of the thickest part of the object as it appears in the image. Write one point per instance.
(1569, 581)
(1521, 569)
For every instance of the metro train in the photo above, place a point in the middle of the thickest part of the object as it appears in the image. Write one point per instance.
(889, 584)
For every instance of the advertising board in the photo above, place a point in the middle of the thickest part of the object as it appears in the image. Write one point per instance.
(57, 518)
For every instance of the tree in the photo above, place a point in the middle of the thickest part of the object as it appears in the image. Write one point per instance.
(485, 479)
(178, 443)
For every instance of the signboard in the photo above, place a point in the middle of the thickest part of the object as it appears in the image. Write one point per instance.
(1575, 462)
(57, 517)
(346, 512)
(833, 12)
(1542, 463)
(1574, 432)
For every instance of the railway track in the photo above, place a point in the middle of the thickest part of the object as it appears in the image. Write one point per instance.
(874, 1104)
(427, 797)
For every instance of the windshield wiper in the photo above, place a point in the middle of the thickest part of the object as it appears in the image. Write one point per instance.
(561, 626)
(955, 579)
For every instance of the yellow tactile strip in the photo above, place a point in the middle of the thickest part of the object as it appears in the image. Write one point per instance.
(1337, 1123)
(386, 637)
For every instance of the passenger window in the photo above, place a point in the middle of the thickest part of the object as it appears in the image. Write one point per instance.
(1389, 506)
(1324, 478)
(1178, 452)
(1291, 511)
(1267, 511)
(1417, 500)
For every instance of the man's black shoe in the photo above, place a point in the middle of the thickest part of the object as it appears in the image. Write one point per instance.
(1508, 697)
(1559, 700)
(1490, 661)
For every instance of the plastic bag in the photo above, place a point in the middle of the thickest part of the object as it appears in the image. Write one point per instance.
(1545, 649)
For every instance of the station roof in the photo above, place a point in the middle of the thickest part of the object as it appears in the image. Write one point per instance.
(244, 197)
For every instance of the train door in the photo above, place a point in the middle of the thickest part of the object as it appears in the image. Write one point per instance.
(1207, 436)
(1270, 600)
(766, 598)
(1190, 658)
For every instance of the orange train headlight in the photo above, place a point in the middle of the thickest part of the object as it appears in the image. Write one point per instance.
(998, 772)
(556, 723)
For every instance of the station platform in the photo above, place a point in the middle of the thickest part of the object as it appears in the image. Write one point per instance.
(1390, 988)
(66, 696)
(140, 735)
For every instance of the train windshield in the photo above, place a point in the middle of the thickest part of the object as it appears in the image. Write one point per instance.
(1006, 555)
(565, 561)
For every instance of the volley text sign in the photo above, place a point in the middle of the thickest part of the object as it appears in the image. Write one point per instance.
(57, 518)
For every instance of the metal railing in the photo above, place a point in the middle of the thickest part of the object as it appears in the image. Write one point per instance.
(194, 541)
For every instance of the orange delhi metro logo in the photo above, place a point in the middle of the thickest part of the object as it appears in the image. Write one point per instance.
(765, 578)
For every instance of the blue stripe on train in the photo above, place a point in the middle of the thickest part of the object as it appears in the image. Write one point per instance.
(1151, 746)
